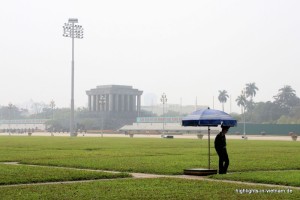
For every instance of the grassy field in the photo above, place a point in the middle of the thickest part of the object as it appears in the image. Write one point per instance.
(289, 177)
(162, 188)
(252, 161)
(15, 174)
(159, 156)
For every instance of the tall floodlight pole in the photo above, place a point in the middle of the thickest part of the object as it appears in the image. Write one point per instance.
(73, 31)
(52, 104)
(102, 103)
(163, 100)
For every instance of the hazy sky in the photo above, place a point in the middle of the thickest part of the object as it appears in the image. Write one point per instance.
(183, 48)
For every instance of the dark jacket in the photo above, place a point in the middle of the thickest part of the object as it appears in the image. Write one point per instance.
(220, 142)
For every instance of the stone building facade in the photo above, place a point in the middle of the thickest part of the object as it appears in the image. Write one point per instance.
(117, 98)
(117, 104)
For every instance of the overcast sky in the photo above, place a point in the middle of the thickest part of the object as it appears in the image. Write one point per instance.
(186, 49)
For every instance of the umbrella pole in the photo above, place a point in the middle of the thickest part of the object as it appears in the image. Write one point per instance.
(208, 147)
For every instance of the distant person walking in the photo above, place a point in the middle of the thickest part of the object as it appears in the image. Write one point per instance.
(220, 146)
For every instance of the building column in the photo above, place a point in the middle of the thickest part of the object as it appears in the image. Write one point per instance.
(122, 102)
(94, 103)
(139, 104)
(106, 102)
(111, 102)
(90, 102)
(134, 106)
(97, 102)
(117, 102)
(130, 108)
(126, 102)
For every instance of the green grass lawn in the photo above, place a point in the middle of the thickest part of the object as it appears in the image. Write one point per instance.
(18, 174)
(248, 160)
(159, 156)
(162, 188)
(290, 178)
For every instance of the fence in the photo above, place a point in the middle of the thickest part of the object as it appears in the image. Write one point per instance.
(268, 129)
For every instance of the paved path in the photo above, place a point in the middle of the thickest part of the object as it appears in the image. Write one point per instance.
(140, 176)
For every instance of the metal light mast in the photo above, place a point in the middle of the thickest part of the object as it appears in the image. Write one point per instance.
(102, 103)
(52, 104)
(163, 99)
(73, 31)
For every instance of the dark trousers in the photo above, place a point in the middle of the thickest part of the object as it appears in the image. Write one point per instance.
(223, 161)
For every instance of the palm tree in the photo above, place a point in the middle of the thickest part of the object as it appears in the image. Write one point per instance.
(286, 97)
(223, 97)
(241, 101)
(251, 90)
(285, 93)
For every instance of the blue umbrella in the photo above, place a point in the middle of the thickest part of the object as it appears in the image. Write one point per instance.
(208, 117)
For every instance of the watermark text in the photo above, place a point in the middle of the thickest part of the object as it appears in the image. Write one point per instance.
(256, 191)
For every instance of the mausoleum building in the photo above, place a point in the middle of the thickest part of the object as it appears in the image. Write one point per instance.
(118, 104)
(114, 98)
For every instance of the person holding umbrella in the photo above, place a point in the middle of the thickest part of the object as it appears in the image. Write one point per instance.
(212, 118)
(220, 146)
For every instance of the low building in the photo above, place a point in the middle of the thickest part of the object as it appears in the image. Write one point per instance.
(169, 125)
(23, 125)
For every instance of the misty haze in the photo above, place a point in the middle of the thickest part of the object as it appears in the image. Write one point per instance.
(141, 99)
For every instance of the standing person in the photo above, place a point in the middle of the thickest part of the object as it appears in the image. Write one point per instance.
(220, 146)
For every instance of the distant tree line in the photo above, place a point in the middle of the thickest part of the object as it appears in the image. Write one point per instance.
(284, 109)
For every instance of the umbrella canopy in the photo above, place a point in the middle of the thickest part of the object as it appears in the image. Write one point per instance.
(208, 117)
